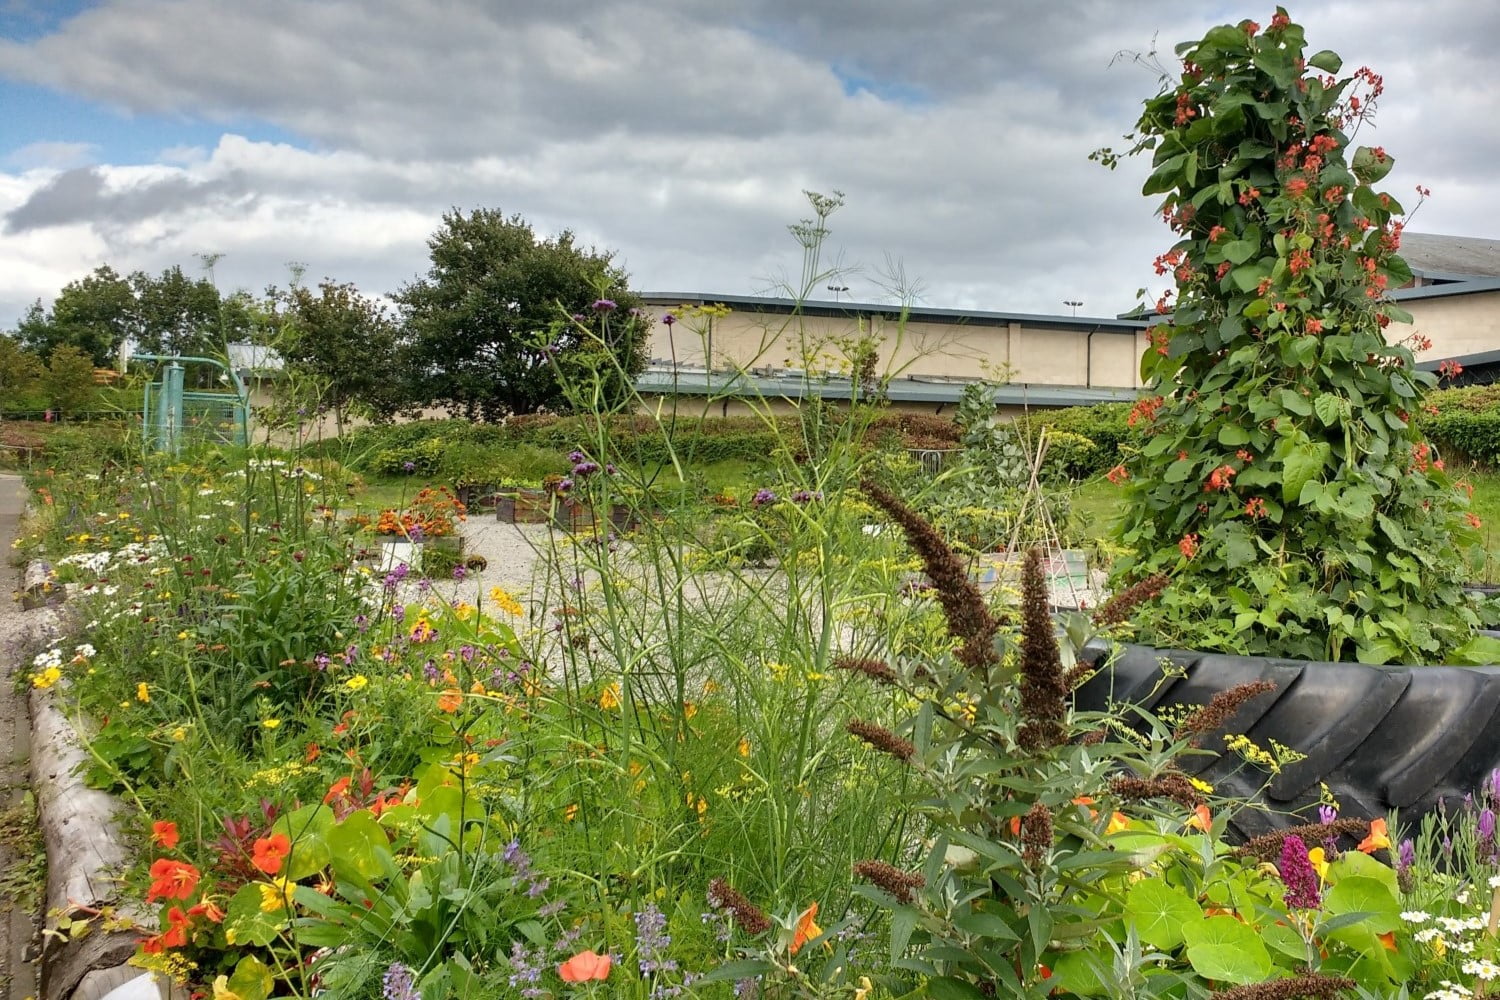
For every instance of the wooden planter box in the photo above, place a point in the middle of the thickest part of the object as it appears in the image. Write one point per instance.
(523, 506)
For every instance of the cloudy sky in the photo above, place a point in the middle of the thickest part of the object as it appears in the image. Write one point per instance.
(681, 133)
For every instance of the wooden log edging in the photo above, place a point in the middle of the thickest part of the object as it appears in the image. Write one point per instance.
(86, 853)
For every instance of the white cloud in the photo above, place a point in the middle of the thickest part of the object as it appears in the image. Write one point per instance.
(48, 155)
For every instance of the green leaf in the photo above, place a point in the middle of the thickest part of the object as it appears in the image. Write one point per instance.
(1239, 251)
(1179, 471)
(1305, 462)
(1327, 60)
(1367, 167)
(1079, 972)
(359, 845)
(1160, 911)
(245, 923)
(1233, 435)
(747, 968)
(1330, 408)
(949, 988)
(1480, 651)
(1224, 949)
(1295, 402)
(251, 979)
(1361, 894)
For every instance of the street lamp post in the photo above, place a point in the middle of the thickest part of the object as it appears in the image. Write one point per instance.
(1075, 303)
(837, 289)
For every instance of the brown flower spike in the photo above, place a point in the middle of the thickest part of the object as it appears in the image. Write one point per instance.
(1309, 985)
(749, 917)
(1221, 708)
(882, 739)
(877, 670)
(1044, 691)
(1267, 847)
(963, 606)
(1036, 834)
(890, 878)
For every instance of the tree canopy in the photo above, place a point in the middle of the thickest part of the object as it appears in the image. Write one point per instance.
(500, 311)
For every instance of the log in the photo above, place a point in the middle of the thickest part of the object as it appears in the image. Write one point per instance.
(36, 584)
(85, 854)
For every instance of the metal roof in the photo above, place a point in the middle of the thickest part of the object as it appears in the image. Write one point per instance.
(911, 389)
(1450, 257)
(1468, 287)
(916, 314)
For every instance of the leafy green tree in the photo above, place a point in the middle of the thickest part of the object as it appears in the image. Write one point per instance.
(95, 314)
(176, 314)
(344, 343)
(1284, 484)
(488, 330)
(70, 380)
(21, 374)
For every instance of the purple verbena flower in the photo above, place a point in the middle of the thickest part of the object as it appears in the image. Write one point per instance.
(763, 496)
(459, 572)
(409, 466)
(604, 305)
(669, 319)
(576, 456)
(1298, 876)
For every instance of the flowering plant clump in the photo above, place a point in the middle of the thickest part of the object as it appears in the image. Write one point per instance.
(432, 513)
(1283, 483)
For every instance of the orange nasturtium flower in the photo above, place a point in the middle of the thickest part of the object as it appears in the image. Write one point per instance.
(449, 700)
(1201, 819)
(171, 880)
(269, 853)
(1377, 839)
(207, 908)
(164, 833)
(807, 929)
(175, 936)
(337, 789)
(1117, 821)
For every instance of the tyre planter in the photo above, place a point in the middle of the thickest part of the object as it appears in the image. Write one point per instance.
(1381, 738)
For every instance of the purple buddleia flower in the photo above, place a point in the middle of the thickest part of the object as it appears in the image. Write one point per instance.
(398, 983)
(1298, 876)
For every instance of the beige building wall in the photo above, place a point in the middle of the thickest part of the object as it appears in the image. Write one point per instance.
(1456, 324)
(1017, 352)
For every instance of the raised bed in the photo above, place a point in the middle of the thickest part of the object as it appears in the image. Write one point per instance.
(1381, 738)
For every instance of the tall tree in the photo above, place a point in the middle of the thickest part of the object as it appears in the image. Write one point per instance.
(70, 380)
(177, 314)
(21, 374)
(95, 314)
(344, 343)
(495, 303)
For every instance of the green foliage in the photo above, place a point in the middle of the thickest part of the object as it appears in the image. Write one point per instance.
(70, 380)
(341, 341)
(1282, 463)
(494, 306)
(21, 377)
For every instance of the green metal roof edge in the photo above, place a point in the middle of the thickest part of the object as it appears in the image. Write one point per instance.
(730, 385)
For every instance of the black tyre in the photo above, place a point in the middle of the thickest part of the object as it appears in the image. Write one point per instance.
(1380, 738)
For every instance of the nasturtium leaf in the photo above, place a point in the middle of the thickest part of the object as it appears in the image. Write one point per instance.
(1159, 912)
(245, 923)
(1224, 949)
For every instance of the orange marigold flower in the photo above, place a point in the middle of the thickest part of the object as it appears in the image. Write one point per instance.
(164, 834)
(269, 853)
(171, 880)
(584, 967)
(450, 700)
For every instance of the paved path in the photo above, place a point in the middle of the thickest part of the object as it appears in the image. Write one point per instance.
(17, 925)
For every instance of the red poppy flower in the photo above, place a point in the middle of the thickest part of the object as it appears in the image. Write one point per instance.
(584, 967)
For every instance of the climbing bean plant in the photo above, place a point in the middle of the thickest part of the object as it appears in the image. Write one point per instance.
(1284, 484)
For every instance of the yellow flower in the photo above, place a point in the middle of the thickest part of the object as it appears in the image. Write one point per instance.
(46, 678)
(276, 895)
(744, 747)
(862, 993)
(222, 990)
(1117, 821)
(183, 635)
(143, 692)
(1201, 785)
(1319, 862)
(571, 813)
(689, 710)
(464, 611)
(609, 698)
(505, 602)
(357, 682)
(270, 723)
(179, 734)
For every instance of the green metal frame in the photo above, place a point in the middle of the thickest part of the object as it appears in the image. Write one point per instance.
(168, 409)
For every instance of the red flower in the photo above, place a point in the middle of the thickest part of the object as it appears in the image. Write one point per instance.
(1117, 475)
(1188, 546)
(584, 967)
(1255, 507)
(164, 834)
(1473, 519)
(1314, 325)
(175, 936)
(207, 908)
(171, 880)
(269, 853)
